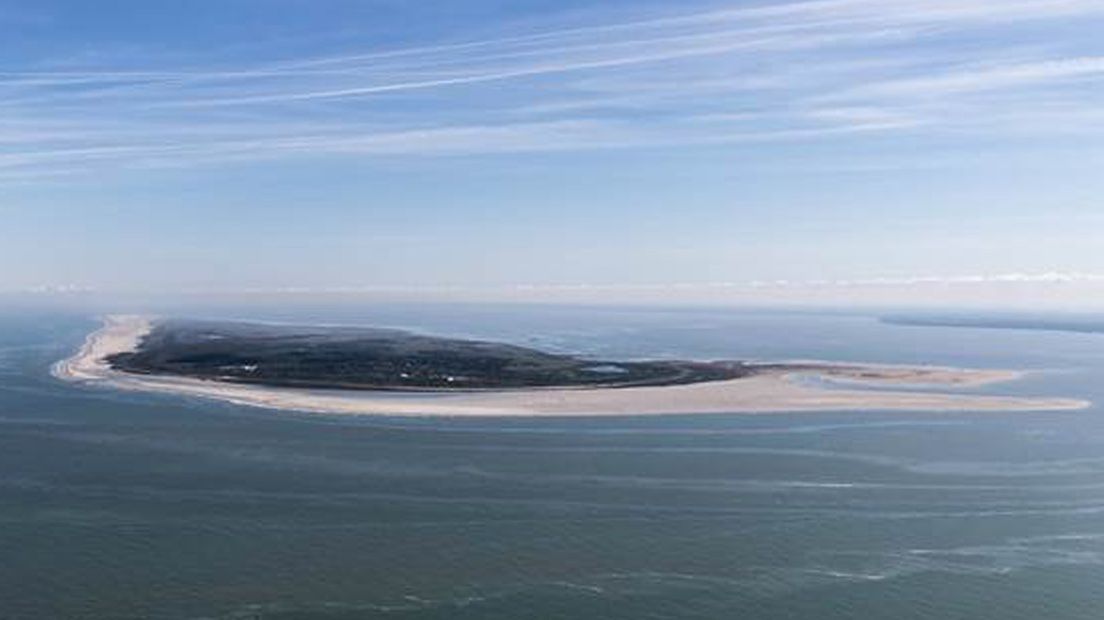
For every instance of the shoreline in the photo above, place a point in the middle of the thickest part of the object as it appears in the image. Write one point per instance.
(774, 389)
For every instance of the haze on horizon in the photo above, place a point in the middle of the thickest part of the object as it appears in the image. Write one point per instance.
(818, 151)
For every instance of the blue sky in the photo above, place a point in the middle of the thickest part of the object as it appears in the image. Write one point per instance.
(743, 150)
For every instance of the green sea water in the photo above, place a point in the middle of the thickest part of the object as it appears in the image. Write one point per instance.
(125, 505)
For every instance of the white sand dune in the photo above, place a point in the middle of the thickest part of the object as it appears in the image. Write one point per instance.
(776, 389)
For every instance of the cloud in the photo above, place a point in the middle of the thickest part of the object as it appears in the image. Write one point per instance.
(1052, 277)
(615, 287)
(985, 79)
(800, 71)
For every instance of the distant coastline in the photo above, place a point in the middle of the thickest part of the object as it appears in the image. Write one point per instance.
(1076, 325)
(772, 388)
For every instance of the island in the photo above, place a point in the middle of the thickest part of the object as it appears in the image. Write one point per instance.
(356, 370)
(385, 360)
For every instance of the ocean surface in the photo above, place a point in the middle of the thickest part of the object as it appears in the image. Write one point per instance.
(122, 505)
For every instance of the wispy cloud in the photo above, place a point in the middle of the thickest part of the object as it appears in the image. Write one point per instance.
(798, 71)
(983, 79)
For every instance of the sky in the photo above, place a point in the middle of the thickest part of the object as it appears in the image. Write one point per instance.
(818, 151)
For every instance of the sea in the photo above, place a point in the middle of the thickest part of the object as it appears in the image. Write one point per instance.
(119, 505)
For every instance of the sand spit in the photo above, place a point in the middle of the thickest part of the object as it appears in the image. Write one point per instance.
(777, 388)
(119, 334)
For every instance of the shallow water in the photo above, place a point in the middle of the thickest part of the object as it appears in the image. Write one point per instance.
(118, 505)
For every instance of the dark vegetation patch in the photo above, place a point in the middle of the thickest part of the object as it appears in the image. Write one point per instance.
(384, 359)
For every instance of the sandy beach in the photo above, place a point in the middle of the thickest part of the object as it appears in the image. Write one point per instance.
(776, 388)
